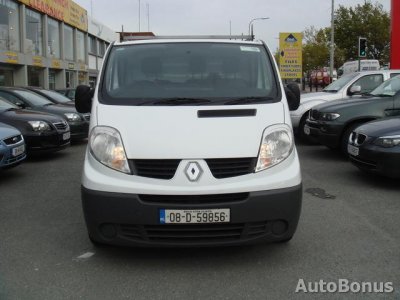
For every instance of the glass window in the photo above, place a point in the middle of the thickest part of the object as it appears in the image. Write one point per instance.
(52, 79)
(80, 46)
(92, 45)
(68, 43)
(388, 88)
(33, 42)
(101, 48)
(33, 98)
(53, 36)
(369, 83)
(6, 78)
(35, 76)
(9, 25)
(206, 72)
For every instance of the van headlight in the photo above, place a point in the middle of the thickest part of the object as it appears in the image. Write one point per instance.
(105, 144)
(277, 144)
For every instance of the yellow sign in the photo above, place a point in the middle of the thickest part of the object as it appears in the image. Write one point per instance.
(56, 64)
(290, 55)
(37, 61)
(71, 66)
(11, 57)
(63, 10)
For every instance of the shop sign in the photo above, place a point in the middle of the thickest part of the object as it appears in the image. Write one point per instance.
(63, 10)
(56, 64)
(37, 61)
(290, 55)
(11, 57)
(82, 67)
(71, 66)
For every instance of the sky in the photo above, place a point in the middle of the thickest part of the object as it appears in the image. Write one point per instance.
(217, 17)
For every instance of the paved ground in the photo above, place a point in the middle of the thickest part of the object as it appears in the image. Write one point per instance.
(349, 229)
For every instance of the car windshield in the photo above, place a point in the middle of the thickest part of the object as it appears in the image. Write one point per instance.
(188, 73)
(33, 98)
(56, 96)
(388, 88)
(341, 82)
(5, 105)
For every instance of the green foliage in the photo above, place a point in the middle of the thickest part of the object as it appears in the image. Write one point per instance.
(367, 20)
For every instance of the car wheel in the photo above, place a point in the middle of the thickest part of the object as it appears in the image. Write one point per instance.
(345, 137)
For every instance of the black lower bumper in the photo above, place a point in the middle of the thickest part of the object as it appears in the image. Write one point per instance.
(43, 143)
(325, 134)
(379, 160)
(79, 131)
(133, 220)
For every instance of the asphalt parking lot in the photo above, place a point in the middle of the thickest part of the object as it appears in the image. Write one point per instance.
(349, 229)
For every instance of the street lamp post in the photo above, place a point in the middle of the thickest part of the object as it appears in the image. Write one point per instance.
(251, 23)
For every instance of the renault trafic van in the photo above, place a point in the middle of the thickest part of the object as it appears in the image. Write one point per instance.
(190, 144)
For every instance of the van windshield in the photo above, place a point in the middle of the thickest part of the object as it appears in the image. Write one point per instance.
(188, 74)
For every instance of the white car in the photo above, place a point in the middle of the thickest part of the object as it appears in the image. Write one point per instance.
(190, 145)
(347, 86)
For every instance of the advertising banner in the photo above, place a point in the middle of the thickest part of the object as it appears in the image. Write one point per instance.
(63, 10)
(290, 55)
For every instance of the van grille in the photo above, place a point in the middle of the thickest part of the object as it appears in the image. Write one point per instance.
(231, 167)
(193, 199)
(156, 168)
(194, 233)
(219, 167)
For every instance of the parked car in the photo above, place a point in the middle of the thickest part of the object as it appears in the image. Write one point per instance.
(346, 87)
(12, 147)
(375, 147)
(53, 96)
(332, 123)
(42, 132)
(78, 123)
(69, 93)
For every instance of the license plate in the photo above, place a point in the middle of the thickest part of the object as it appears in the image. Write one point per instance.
(66, 136)
(307, 130)
(196, 216)
(353, 150)
(18, 150)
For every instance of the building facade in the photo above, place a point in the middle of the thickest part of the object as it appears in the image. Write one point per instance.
(51, 44)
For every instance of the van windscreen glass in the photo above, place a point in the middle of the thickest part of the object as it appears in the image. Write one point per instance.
(188, 74)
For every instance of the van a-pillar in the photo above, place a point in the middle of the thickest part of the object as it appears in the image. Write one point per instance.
(395, 35)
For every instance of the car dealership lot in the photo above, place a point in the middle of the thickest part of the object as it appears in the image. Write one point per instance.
(349, 229)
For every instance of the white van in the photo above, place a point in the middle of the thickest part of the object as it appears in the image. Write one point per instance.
(365, 65)
(190, 144)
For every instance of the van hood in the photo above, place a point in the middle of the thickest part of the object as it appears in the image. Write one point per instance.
(171, 132)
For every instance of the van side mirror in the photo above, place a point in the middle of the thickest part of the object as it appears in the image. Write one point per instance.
(355, 89)
(292, 92)
(83, 98)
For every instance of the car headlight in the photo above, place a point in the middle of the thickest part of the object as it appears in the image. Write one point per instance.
(276, 146)
(39, 126)
(73, 117)
(329, 116)
(387, 141)
(106, 146)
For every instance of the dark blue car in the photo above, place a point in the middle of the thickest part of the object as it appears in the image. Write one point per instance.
(12, 146)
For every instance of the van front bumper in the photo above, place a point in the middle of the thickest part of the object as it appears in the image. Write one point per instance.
(134, 220)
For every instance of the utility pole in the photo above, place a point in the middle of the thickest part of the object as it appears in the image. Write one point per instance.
(230, 29)
(139, 15)
(148, 17)
(332, 39)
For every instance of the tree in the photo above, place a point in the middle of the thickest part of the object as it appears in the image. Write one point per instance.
(315, 49)
(367, 20)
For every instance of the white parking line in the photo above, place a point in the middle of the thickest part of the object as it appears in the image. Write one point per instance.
(85, 256)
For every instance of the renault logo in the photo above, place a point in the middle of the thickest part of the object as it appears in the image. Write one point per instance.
(193, 171)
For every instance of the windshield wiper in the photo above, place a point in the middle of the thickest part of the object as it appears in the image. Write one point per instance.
(246, 100)
(329, 91)
(48, 104)
(381, 95)
(176, 101)
(12, 108)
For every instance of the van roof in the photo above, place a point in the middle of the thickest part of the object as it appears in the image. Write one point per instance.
(189, 40)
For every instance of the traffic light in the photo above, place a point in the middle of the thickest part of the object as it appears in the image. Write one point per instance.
(362, 47)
